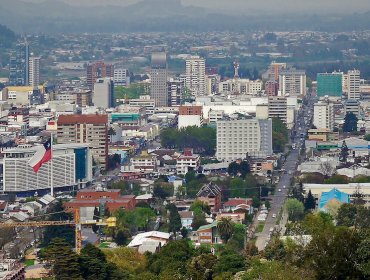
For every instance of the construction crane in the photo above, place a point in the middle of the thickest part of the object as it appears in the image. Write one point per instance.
(109, 222)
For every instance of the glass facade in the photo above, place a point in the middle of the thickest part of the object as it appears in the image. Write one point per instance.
(80, 163)
(329, 84)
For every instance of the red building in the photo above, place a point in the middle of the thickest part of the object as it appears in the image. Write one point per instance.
(271, 88)
(190, 110)
(112, 199)
(98, 70)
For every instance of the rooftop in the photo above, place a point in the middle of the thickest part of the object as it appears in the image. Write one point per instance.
(78, 119)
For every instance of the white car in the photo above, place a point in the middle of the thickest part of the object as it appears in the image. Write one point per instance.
(279, 190)
(274, 215)
(284, 187)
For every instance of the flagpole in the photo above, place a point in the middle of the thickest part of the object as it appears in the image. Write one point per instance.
(51, 166)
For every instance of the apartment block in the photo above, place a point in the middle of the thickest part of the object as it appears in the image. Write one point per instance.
(190, 116)
(196, 75)
(238, 138)
(158, 77)
(353, 87)
(292, 82)
(277, 108)
(91, 129)
(98, 70)
(323, 116)
(329, 84)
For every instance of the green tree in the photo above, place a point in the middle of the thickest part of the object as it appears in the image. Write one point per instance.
(225, 227)
(367, 137)
(279, 135)
(201, 205)
(201, 267)
(51, 232)
(343, 152)
(94, 265)
(174, 219)
(310, 202)
(61, 260)
(295, 209)
(121, 237)
(237, 187)
(353, 215)
(350, 122)
(275, 249)
(230, 261)
(199, 219)
(239, 169)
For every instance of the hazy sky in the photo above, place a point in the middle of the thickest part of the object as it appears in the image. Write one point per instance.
(245, 6)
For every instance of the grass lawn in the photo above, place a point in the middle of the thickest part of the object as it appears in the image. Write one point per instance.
(104, 245)
(29, 262)
(260, 227)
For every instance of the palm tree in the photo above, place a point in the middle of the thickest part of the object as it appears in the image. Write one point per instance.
(225, 227)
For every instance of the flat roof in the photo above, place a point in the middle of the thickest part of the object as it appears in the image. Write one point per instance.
(56, 147)
(76, 119)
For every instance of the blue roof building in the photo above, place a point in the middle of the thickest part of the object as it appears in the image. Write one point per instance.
(332, 196)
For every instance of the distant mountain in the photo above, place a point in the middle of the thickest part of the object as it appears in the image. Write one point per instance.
(158, 15)
(7, 37)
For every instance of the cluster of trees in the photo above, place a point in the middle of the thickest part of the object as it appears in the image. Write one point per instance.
(280, 135)
(131, 92)
(201, 139)
(63, 263)
(350, 122)
(338, 251)
(317, 178)
(332, 252)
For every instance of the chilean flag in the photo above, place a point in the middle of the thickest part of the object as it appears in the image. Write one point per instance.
(42, 155)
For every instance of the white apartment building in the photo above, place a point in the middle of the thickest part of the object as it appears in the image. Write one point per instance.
(144, 101)
(144, 162)
(196, 75)
(187, 161)
(292, 82)
(237, 138)
(353, 87)
(240, 86)
(176, 90)
(103, 96)
(121, 77)
(34, 71)
(71, 165)
(323, 116)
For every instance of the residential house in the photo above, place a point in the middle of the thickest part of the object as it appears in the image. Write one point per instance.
(139, 239)
(187, 161)
(238, 205)
(208, 234)
(187, 218)
(211, 194)
(237, 218)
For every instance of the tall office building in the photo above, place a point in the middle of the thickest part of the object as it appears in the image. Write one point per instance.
(273, 72)
(329, 84)
(196, 75)
(18, 65)
(103, 96)
(323, 115)
(292, 82)
(158, 77)
(238, 138)
(91, 129)
(353, 87)
(34, 71)
(98, 70)
(271, 88)
(176, 89)
(277, 107)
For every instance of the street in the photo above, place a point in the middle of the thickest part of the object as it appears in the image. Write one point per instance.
(303, 123)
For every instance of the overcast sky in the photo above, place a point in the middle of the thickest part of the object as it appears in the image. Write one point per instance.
(246, 6)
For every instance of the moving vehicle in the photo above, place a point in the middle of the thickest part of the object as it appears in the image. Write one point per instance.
(279, 190)
(274, 215)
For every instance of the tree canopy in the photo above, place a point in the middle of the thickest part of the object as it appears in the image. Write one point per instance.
(350, 122)
(280, 135)
(201, 139)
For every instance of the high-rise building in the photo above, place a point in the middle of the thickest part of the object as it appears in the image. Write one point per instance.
(277, 108)
(292, 82)
(70, 166)
(354, 84)
(103, 96)
(121, 77)
(329, 84)
(323, 116)
(91, 129)
(34, 71)
(238, 138)
(196, 75)
(190, 116)
(271, 88)
(18, 65)
(158, 77)
(98, 70)
(176, 89)
(274, 70)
